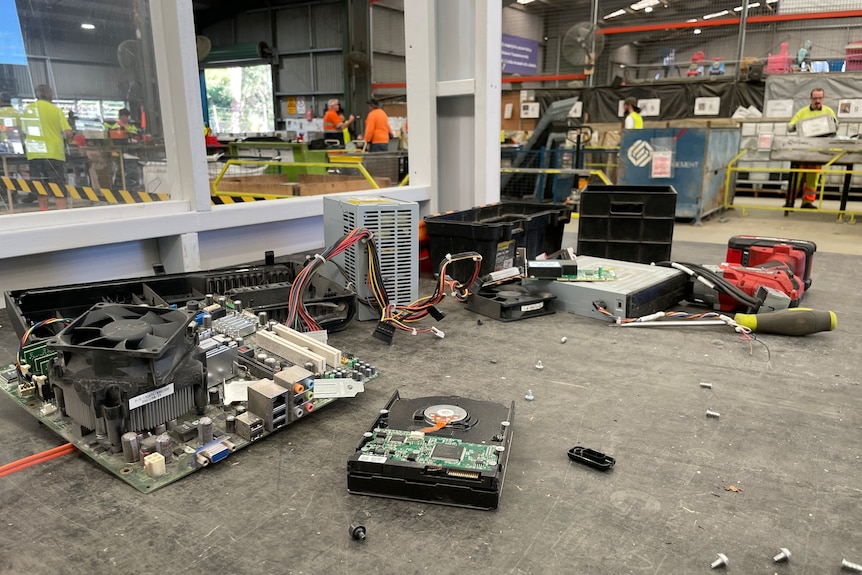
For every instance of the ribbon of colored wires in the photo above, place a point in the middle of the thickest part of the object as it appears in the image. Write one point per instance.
(27, 334)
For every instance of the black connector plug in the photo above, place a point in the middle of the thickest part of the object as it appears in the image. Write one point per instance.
(436, 313)
(384, 332)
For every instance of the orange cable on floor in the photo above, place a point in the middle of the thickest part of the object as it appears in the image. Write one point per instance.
(36, 459)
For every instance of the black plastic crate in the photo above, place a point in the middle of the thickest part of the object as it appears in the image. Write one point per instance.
(630, 223)
(496, 231)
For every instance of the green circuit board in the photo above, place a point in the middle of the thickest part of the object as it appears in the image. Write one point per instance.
(186, 448)
(426, 449)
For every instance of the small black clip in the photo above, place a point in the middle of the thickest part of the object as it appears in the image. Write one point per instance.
(591, 457)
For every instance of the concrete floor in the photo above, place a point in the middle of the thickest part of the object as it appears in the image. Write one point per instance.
(779, 468)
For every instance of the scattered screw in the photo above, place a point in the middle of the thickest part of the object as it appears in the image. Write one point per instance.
(539, 365)
(722, 561)
(479, 322)
(710, 413)
(357, 532)
(783, 555)
(564, 339)
(529, 396)
(706, 384)
(848, 566)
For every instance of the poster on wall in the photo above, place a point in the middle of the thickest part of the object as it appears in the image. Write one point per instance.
(520, 55)
(778, 109)
(650, 108)
(707, 106)
(850, 108)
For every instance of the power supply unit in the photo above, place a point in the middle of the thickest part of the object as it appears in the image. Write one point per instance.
(394, 224)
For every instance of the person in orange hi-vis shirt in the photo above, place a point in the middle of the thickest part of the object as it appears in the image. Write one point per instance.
(335, 124)
(377, 131)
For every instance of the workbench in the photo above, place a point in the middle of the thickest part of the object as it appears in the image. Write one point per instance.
(779, 468)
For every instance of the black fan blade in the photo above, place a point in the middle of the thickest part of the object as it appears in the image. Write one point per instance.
(100, 317)
(149, 342)
(152, 318)
(164, 330)
(81, 335)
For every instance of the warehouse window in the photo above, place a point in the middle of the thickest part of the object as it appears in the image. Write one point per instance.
(239, 99)
(94, 62)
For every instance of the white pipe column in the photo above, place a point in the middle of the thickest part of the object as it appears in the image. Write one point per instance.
(182, 114)
(421, 60)
(455, 44)
(179, 95)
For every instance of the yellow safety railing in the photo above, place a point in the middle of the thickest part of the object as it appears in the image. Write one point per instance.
(824, 171)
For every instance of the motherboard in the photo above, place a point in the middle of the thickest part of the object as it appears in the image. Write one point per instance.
(153, 393)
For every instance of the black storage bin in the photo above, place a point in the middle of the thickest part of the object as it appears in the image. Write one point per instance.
(629, 223)
(496, 231)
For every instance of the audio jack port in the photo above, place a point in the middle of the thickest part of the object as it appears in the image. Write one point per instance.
(357, 532)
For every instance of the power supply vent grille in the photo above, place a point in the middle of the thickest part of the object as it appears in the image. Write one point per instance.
(394, 225)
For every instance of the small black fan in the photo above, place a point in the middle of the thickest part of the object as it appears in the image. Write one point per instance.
(129, 343)
(129, 328)
(510, 302)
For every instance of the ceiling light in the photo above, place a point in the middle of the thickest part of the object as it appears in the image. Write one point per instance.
(697, 30)
(619, 12)
(692, 20)
(648, 9)
(716, 14)
(643, 4)
(750, 6)
(525, 1)
(88, 26)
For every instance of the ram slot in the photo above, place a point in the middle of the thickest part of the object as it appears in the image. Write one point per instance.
(289, 351)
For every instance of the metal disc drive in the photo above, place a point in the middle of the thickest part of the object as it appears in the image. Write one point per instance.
(451, 412)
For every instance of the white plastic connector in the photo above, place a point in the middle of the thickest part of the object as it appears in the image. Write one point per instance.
(154, 465)
(652, 316)
(320, 257)
(414, 332)
(437, 332)
(448, 257)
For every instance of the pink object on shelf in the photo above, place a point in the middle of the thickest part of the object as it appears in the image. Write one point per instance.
(853, 56)
(779, 63)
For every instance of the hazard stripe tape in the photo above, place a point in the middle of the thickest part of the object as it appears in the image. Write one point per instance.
(225, 200)
(81, 193)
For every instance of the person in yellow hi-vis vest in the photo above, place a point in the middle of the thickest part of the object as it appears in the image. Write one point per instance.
(634, 120)
(809, 185)
(46, 129)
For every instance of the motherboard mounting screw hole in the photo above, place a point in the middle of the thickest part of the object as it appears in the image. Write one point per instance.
(126, 470)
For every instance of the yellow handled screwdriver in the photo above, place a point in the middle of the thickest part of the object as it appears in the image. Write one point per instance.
(792, 321)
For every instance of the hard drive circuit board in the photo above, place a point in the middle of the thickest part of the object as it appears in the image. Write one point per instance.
(418, 447)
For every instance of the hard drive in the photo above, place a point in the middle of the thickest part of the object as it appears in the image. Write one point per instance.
(446, 450)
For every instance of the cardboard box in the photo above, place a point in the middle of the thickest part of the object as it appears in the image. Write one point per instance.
(315, 184)
(266, 184)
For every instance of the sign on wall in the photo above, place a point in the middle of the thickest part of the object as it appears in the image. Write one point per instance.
(520, 55)
(707, 106)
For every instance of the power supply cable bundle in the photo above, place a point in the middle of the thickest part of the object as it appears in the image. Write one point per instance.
(392, 316)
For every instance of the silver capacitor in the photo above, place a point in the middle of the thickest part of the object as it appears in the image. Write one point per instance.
(270, 362)
(205, 430)
(207, 321)
(237, 305)
(230, 423)
(163, 446)
(262, 317)
(208, 298)
(222, 301)
(131, 448)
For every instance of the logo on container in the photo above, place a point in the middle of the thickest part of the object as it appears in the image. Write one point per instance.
(640, 153)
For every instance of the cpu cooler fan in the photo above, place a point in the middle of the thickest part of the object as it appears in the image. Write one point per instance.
(113, 356)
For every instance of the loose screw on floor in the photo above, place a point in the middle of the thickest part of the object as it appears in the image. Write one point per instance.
(848, 566)
(714, 414)
(783, 555)
(722, 561)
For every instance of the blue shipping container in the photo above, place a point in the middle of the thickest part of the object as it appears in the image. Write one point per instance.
(697, 165)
